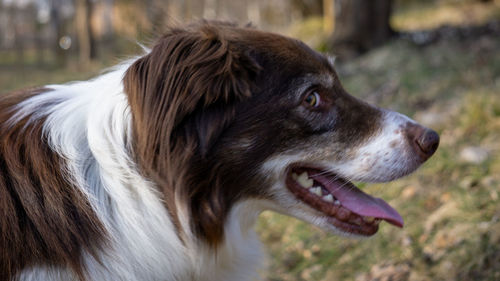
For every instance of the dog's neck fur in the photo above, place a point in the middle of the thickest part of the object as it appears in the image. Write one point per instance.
(89, 125)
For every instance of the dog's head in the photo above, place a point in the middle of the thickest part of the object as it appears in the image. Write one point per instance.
(223, 114)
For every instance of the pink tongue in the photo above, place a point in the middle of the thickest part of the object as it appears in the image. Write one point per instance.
(363, 204)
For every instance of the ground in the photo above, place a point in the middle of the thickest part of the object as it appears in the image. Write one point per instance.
(451, 205)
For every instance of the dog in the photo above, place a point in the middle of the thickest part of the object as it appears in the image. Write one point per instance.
(159, 168)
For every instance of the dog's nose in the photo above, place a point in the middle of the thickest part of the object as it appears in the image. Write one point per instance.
(428, 141)
(424, 140)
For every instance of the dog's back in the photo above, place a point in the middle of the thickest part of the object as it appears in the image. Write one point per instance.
(44, 217)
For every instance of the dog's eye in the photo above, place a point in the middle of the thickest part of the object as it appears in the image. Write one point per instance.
(313, 99)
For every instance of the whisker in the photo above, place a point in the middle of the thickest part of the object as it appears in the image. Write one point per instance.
(346, 180)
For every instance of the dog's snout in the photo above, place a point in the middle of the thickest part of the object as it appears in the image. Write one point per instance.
(428, 141)
(425, 141)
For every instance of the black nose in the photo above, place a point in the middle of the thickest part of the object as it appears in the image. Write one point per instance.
(428, 142)
(424, 141)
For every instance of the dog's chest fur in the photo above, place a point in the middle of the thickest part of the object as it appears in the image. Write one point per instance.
(159, 169)
(143, 243)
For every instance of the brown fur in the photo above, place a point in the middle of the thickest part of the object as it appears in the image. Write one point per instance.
(44, 219)
(192, 70)
(206, 88)
(196, 98)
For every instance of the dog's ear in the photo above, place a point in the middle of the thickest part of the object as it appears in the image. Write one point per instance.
(210, 123)
(191, 77)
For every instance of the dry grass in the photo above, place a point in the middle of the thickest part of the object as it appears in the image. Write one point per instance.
(450, 205)
(424, 16)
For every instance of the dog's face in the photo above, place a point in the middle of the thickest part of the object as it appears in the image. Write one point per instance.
(262, 117)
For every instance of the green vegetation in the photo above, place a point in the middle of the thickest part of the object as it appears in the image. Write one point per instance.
(418, 15)
(40, 69)
(31, 74)
(451, 205)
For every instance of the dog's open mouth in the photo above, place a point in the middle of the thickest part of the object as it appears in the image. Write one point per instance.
(347, 207)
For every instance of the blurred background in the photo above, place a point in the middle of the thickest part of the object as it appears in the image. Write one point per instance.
(437, 61)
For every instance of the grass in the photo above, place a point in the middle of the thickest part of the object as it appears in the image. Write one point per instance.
(418, 15)
(30, 74)
(451, 206)
(34, 71)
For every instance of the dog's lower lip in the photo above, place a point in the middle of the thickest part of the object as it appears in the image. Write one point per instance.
(361, 213)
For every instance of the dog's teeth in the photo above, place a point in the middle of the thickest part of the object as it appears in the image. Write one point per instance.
(376, 222)
(368, 219)
(304, 180)
(328, 198)
(316, 191)
(337, 202)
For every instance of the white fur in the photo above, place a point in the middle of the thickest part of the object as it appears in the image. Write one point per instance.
(240, 255)
(331, 60)
(89, 125)
(375, 160)
(385, 156)
(39, 273)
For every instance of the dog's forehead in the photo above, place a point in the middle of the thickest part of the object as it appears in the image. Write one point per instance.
(287, 51)
(326, 79)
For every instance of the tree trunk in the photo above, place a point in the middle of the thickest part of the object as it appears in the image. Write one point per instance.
(58, 29)
(360, 25)
(209, 9)
(18, 34)
(86, 40)
(108, 20)
(328, 15)
(253, 12)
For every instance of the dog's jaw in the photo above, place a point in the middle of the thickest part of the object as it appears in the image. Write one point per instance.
(386, 155)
